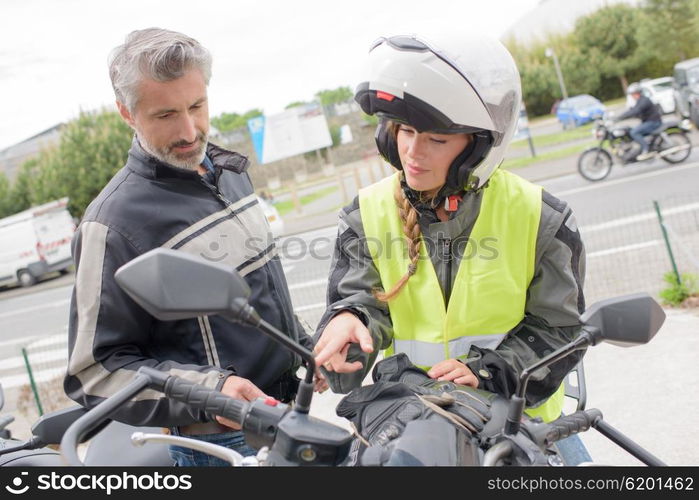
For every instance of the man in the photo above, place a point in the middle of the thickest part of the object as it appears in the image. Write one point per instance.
(650, 117)
(177, 191)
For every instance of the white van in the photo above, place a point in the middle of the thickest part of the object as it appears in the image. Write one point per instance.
(35, 242)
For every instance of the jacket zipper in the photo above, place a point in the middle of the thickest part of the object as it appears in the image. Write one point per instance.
(446, 255)
(216, 192)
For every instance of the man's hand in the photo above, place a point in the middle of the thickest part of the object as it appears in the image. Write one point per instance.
(342, 331)
(454, 371)
(320, 384)
(238, 388)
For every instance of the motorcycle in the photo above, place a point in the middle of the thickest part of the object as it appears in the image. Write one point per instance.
(457, 425)
(105, 448)
(669, 142)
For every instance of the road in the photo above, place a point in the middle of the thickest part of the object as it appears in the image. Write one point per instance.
(621, 236)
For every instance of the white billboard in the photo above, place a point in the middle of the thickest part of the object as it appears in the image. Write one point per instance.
(295, 131)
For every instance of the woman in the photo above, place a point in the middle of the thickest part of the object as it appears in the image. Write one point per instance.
(470, 270)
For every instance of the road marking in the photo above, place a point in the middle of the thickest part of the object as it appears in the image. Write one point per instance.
(627, 179)
(38, 341)
(308, 283)
(14, 341)
(37, 358)
(624, 221)
(40, 376)
(57, 303)
(310, 307)
(625, 248)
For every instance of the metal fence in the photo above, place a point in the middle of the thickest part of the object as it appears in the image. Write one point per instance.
(629, 252)
(626, 252)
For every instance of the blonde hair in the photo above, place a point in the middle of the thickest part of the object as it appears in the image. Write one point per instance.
(409, 216)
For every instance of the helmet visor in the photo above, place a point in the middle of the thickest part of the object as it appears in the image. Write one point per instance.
(409, 110)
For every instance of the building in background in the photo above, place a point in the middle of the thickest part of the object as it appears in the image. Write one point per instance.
(12, 158)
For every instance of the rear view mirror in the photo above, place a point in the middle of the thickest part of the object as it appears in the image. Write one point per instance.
(173, 285)
(625, 321)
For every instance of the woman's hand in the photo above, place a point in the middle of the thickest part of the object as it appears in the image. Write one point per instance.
(342, 331)
(455, 371)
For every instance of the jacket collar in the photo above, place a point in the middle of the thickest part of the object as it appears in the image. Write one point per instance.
(145, 164)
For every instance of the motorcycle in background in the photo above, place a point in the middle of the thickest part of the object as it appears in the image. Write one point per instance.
(669, 142)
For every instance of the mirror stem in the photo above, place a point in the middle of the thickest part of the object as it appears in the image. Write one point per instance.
(518, 400)
(245, 313)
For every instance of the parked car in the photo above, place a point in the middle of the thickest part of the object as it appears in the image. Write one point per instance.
(686, 89)
(658, 90)
(579, 109)
(35, 242)
(276, 223)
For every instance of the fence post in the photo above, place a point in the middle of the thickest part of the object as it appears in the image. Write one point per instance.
(667, 242)
(357, 179)
(32, 382)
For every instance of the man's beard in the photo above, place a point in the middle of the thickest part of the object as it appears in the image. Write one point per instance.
(190, 160)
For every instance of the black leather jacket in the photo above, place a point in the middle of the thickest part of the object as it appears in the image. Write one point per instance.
(149, 204)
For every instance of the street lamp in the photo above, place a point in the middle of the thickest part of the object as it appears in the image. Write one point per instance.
(551, 53)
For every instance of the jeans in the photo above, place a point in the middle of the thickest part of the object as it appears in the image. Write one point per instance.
(639, 131)
(185, 457)
(573, 451)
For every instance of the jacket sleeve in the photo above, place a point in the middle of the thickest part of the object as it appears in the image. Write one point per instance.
(637, 109)
(109, 337)
(353, 276)
(554, 304)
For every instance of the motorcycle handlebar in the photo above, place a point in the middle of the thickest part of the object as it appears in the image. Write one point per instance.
(561, 428)
(210, 401)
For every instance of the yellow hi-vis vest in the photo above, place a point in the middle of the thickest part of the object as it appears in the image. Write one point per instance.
(490, 290)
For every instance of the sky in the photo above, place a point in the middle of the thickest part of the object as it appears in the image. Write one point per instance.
(266, 53)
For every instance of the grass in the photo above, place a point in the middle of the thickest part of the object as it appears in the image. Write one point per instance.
(556, 137)
(551, 155)
(564, 136)
(284, 207)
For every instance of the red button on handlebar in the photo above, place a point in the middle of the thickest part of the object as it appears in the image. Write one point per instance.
(270, 401)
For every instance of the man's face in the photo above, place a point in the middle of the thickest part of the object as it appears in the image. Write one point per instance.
(171, 119)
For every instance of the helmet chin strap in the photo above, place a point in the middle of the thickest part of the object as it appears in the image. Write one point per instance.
(464, 163)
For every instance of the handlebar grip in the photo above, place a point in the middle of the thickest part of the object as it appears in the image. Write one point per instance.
(206, 399)
(547, 434)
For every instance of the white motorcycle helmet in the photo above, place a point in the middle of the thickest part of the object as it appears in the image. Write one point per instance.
(634, 88)
(445, 85)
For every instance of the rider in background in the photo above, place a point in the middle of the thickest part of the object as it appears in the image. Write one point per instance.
(650, 117)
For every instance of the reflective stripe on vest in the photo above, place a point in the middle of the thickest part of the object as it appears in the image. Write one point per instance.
(491, 284)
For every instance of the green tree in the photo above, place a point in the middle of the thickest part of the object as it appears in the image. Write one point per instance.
(334, 96)
(295, 104)
(669, 30)
(231, 121)
(607, 41)
(5, 190)
(91, 150)
(21, 192)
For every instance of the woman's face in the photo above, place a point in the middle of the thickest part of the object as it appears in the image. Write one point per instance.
(426, 156)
